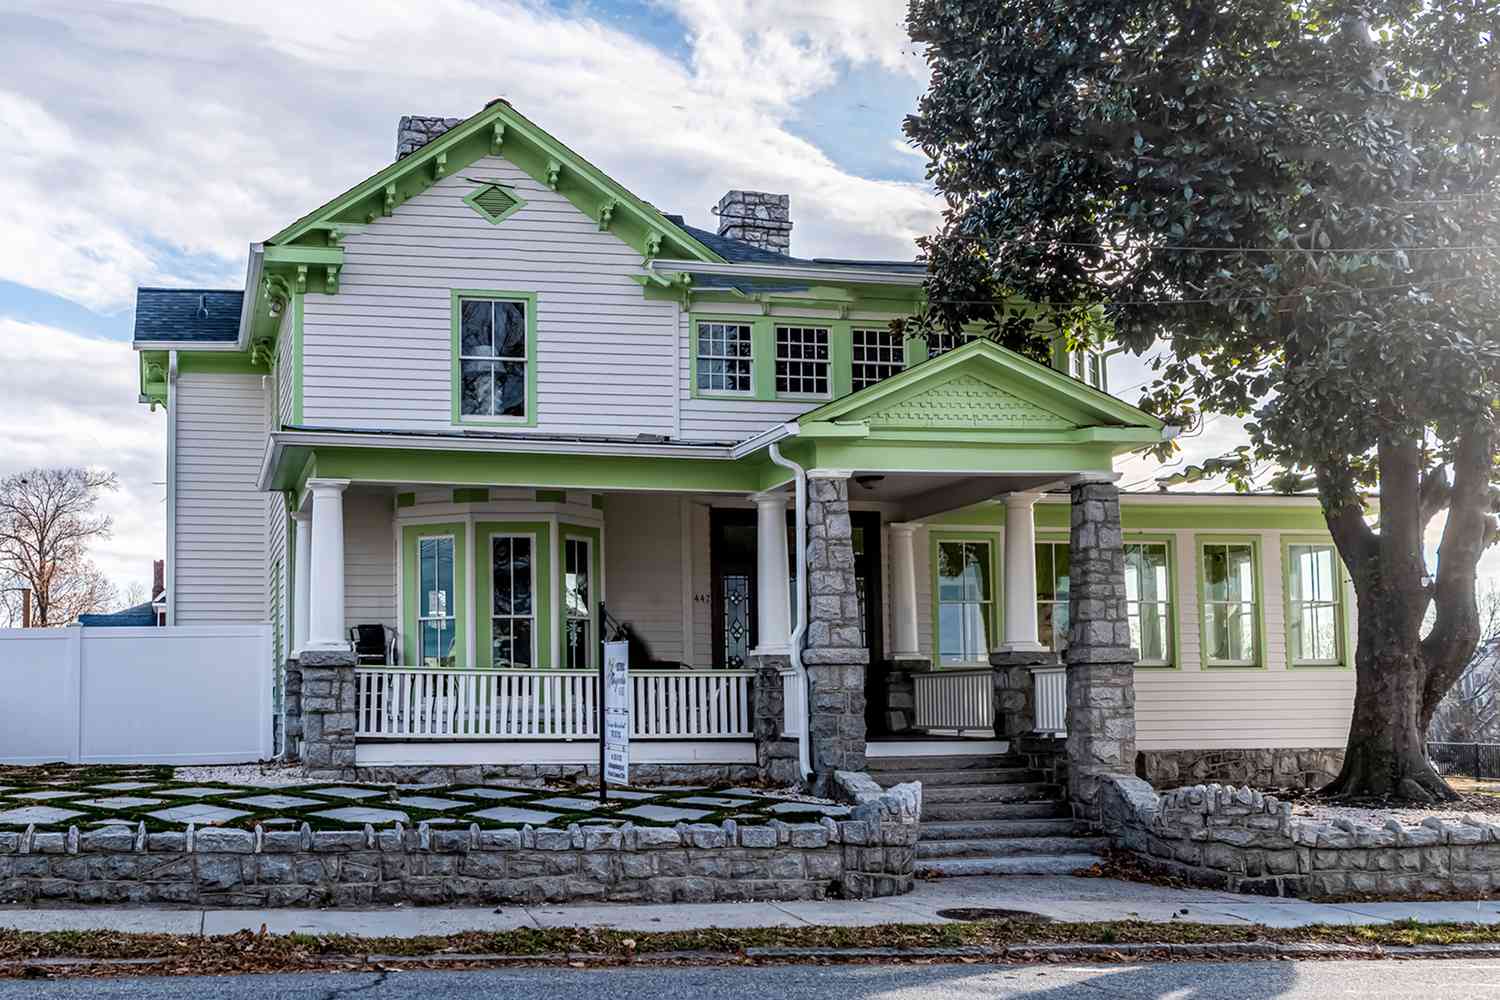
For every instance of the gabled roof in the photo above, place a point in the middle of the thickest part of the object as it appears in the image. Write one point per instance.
(187, 315)
(982, 386)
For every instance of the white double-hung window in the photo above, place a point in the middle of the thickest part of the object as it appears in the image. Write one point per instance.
(724, 357)
(1313, 612)
(802, 361)
(1231, 608)
(513, 601)
(437, 611)
(1148, 602)
(493, 358)
(965, 601)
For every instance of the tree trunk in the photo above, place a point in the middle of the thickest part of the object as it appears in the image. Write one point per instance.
(1386, 755)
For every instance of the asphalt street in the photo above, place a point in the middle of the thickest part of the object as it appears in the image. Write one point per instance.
(1331, 980)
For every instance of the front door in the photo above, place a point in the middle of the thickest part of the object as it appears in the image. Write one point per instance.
(731, 556)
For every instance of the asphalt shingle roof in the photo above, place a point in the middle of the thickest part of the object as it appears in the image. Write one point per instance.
(740, 252)
(189, 315)
(142, 615)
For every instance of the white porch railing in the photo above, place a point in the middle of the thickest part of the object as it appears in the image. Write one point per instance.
(411, 703)
(1050, 699)
(959, 700)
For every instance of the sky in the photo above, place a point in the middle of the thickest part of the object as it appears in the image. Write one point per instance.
(148, 143)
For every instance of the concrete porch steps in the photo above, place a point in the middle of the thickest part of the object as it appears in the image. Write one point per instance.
(989, 814)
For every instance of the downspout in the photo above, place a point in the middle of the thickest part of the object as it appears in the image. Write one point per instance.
(799, 474)
(170, 573)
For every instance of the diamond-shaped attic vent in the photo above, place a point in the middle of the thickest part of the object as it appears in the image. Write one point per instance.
(494, 202)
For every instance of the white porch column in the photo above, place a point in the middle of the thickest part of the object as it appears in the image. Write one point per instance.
(904, 591)
(325, 612)
(301, 576)
(1020, 574)
(772, 578)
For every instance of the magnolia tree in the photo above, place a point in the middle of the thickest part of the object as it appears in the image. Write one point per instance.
(1299, 201)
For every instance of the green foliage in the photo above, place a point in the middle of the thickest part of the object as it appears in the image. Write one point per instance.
(1291, 194)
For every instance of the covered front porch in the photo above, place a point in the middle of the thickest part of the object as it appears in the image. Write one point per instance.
(496, 568)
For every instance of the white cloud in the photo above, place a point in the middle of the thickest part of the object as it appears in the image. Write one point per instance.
(66, 399)
(157, 139)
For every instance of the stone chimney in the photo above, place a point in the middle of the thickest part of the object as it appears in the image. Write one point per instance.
(415, 131)
(757, 218)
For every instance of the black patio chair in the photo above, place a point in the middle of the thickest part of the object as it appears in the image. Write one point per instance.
(373, 644)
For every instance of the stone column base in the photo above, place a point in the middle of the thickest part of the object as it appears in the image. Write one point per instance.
(291, 708)
(901, 692)
(1015, 711)
(328, 701)
(776, 754)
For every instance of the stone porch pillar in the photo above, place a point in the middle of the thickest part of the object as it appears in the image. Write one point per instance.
(325, 613)
(1101, 663)
(835, 655)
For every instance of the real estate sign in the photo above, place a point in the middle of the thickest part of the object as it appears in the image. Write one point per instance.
(616, 697)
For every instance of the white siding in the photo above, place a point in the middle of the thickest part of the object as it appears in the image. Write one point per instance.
(1304, 707)
(369, 560)
(703, 590)
(378, 354)
(220, 536)
(644, 568)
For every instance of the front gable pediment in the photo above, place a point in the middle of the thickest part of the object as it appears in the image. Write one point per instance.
(966, 401)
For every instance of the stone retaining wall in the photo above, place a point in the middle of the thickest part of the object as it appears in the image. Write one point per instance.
(644, 775)
(1282, 767)
(871, 853)
(1243, 841)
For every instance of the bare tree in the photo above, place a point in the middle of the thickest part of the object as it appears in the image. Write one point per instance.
(48, 520)
(1470, 711)
(134, 594)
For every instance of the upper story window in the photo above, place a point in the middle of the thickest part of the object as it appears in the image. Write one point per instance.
(1148, 602)
(878, 354)
(943, 341)
(725, 357)
(1231, 610)
(1088, 366)
(494, 358)
(802, 361)
(1312, 589)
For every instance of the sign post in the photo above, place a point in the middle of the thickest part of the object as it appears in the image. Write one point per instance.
(614, 716)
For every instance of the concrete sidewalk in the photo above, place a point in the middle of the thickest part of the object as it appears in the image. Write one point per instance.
(1062, 898)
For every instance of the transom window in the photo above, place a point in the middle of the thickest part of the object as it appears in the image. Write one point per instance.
(513, 605)
(1313, 604)
(578, 640)
(437, 610)
(1053, 563)
(965, 599)
(1148, 602)
(802, 360)
(943, 341)
(878, 354)
(724, 358)
(492, 358)
(1230, 611)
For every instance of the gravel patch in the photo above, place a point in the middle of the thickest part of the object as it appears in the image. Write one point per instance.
(1483, 806)
(256, 775)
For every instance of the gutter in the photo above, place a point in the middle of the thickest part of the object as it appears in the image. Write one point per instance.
(848, 275)
(799, 474)
(764, 439)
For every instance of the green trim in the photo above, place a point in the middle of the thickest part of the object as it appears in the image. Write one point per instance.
(494, 295)
(152, 374)
(218, 363)
(530, 148)
(405, 500)
(494, 219)
(997, 612)
(471, 495)
(410, 533)
(596, 569)
(541, 586)
(1235, 513)
(551, 496)
(1174, 661)
(1259, 590)
(1342, 633)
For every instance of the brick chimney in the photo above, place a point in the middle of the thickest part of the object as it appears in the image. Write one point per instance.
(158, 578)
(757, 218)
(415, 131)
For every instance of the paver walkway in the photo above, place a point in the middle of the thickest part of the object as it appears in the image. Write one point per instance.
(1059, 897)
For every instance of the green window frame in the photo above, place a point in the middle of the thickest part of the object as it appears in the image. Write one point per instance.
(1231, 615)
(474, 359)
(1313, 583)
(416, 609)
(487, 636)
(1052, 593)
(1150, 601)
(968, 604)
(579, 618)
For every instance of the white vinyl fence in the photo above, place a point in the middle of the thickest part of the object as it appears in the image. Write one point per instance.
(194, 694)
